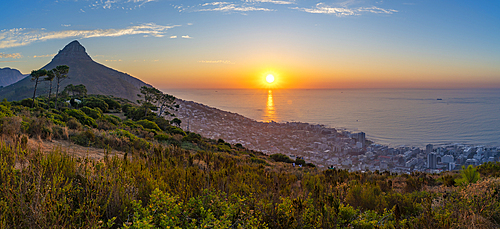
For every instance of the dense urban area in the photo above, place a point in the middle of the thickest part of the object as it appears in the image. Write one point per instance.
(328, 147)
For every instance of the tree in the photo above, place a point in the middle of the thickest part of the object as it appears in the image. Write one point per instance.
(165, 101)
(150, 95)
(35, 75)
(154, 99)
(176, 121)
(79, 89)
(60, 72)
(50, 77)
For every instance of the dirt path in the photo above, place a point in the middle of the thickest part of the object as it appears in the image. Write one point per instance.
(71, 148)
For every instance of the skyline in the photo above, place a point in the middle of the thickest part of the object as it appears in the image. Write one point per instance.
(304, 44)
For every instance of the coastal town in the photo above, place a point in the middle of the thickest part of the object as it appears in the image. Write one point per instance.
(327, 147)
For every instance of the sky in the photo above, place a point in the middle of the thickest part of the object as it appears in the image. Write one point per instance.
(237, 43)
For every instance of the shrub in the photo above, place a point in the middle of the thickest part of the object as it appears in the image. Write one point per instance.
(27, 102)
(81, 117)
(281, 158)
(162, 137)
(175, 130)
(112, 104)
(85, 138)
(124, 133)
(11, 126)
(60, 132)
(148, 124)
(469, 175)
(73, 124)
(258, 161)
(192, 137)
(40, 127)
(5, 112)
(162, 123)
(93, 102)
(113, 119)
(300, 162)
(93, 113)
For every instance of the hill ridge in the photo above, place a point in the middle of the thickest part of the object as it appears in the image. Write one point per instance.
(98, 78)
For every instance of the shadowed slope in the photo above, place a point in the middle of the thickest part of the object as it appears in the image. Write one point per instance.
(98, 78)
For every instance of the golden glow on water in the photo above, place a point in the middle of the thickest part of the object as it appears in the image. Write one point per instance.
(270, 112)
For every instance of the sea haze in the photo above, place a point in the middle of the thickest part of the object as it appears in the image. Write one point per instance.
(394, 117)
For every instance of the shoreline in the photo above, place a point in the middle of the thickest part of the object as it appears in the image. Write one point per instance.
(322, 145)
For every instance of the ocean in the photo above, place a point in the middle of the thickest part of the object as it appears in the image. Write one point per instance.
(393, 117)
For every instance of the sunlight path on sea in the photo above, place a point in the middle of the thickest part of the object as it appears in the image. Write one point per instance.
(270, 114)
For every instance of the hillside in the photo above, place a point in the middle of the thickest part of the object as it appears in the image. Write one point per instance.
(9, 76)
(97, 78)
(133, 169)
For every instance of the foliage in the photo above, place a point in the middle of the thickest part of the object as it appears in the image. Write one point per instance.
(281, 158)
(94, 102)
(148, 124)
(165, 178)
(469, 175)
(93, 113)
(81, 117)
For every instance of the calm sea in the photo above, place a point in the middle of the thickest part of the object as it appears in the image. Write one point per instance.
(392, 117)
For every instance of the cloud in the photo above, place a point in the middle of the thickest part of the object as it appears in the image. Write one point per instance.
(5, 61)
(186, 37)
(11, 55)
(118, 4)
(215, 62)
(113, 60)
(271, 1)
(66, 25)
(173, 37)
(322, 8)
(48, 55)
(226, 7)
(22, 36)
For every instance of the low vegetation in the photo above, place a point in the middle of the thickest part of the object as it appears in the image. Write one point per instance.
(167, 178)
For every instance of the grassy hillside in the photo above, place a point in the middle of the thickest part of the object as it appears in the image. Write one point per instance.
(167, 178)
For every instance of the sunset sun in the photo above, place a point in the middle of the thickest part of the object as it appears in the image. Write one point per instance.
(270, 78)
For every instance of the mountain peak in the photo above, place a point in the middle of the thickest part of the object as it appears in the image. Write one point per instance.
(73, 51)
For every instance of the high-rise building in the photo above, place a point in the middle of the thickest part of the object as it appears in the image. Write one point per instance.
(431, 161)
(362, 138)
(429, 148)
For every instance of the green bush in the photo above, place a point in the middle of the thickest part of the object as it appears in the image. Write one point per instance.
(175, 130)
(5, 111)
(124, 133)
(281, 158)
(112, 104)
(192, 137)
(81, 117)
(93, 113)
(93, 102)
(148, 124)
(113, 119)
(162, 137)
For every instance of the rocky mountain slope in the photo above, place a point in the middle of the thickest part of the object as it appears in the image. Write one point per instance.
(9, 76)
(98, 78)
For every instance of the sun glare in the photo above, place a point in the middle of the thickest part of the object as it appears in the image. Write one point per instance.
(270, 78)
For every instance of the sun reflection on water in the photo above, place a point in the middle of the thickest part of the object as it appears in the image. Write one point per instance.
(270, 112)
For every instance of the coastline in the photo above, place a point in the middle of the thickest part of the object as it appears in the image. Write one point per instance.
(325, 146)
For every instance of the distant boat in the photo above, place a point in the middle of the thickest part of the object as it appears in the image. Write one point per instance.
(439, 99)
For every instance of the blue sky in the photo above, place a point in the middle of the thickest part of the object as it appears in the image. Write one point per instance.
(232, 44)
